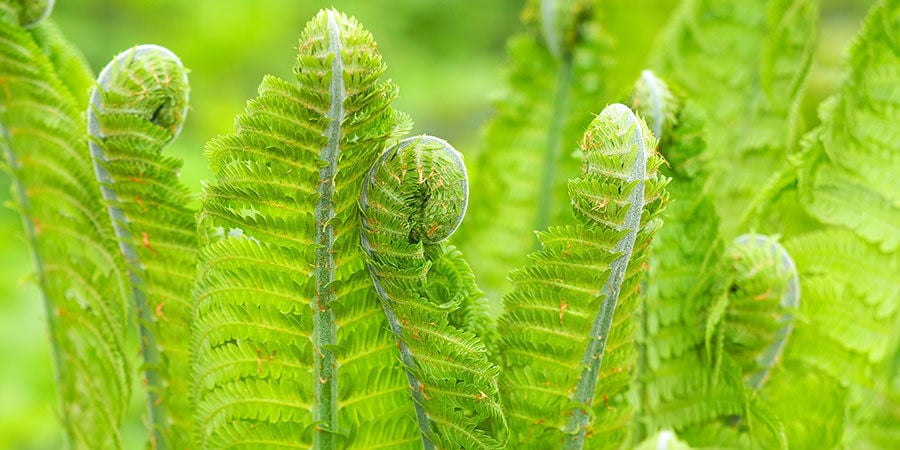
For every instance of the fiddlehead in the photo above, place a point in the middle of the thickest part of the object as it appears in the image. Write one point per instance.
(136, 109)
(33, 12)
(763, 294)
(414, 197)
(81, 278)
(568, 326)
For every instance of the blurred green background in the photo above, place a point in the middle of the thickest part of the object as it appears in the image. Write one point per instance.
(447, 56)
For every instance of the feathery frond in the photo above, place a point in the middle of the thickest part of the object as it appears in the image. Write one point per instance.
(78, 268)
(137, 108)
(744, 62)
(414, 197)
(566, 337)
(292, 347)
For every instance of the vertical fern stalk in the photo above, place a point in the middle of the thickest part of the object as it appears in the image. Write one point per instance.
(324, 377)
(414, 197)
(138, 106)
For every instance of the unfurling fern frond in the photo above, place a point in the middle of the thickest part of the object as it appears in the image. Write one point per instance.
(137, 108)
(567, 335)
(413, 198)
(757, 314)
(291, 342)
(556, 83)
(744, 62)
(78, 267)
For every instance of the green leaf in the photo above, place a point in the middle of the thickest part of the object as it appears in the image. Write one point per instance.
(291, 345)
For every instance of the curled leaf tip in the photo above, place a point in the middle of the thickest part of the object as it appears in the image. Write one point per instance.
(428, 179)
(147, 80)
(33, 12)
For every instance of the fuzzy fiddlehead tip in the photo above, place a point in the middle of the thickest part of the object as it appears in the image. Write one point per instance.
(423, 182)
(766, 292)
(148, 81)
(33, 12)
(559, 22)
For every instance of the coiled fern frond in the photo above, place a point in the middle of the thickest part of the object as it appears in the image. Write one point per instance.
(137, 108)
(413, 198)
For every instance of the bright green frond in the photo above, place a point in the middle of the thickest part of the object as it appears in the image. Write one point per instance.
(78, 267)
(137, 108)
(291, 344)
(744, 62)
(566, 338)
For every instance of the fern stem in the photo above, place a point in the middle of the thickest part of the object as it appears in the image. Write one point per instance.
(325, 413)
(150, 353)
(593, 355)
(554, 145)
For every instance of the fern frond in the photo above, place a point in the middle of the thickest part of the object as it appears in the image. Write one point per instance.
(292, 347)
(80, 275)
(137, 108)
(848, 180)
(764, 293)
(566, 337)
(744, 62)
(556, 84)
(414, 197)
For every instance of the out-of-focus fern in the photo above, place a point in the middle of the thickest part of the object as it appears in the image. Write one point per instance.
(555, 85)
(78, 268)
(292, 346)
(414, 197)
(566, 337)
(744, 62)
(675, 386)
(137, 108)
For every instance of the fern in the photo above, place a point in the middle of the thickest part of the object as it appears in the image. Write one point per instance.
(675, 385)
(414, 197)
(291, 346)
(137, 108)
(568, 326)
(744, 62)
(81, 278)
(521, 173)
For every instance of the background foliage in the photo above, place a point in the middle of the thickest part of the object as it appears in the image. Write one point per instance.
(447, 56)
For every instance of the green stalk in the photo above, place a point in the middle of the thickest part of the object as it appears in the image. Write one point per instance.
(325, 413)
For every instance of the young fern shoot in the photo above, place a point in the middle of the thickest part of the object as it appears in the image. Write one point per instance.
(566, 337)
(138, 106)
(413, 198)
